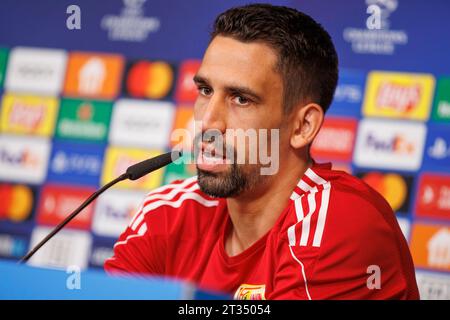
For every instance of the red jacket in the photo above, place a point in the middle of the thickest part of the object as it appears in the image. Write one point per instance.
(337, 238)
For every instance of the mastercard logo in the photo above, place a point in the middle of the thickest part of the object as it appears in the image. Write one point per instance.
(151, 80)
(391, 186)
(17, 202)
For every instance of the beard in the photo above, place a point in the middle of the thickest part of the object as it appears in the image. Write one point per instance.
(237, 179)
(230, 183)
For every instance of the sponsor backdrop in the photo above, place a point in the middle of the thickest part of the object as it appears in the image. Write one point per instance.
(78, 106)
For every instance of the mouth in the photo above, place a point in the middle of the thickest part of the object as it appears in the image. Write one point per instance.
(210, 159)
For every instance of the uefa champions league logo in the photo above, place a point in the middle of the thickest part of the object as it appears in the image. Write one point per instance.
(133, 7)
(131, 24)
(377, 36)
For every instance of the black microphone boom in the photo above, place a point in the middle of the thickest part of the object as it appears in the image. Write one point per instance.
(140, 169)
(134, 172)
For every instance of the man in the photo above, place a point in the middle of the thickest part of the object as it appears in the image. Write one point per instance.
(303, 232)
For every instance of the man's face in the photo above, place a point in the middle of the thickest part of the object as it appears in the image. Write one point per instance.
(239, 88)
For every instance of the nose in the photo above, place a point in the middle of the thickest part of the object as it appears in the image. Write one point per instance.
(213, 114)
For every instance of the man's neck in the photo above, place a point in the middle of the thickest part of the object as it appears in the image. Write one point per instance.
(254, 213)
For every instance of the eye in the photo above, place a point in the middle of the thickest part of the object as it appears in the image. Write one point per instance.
(205, 91)
(241, 101)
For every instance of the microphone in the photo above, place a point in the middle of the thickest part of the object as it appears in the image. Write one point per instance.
(133, 172)
(140, 169)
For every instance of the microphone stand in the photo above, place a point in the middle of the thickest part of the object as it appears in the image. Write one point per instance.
(134, 172)
(71, 216)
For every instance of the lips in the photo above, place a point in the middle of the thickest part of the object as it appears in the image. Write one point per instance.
(210, 155)
(210, 159)
(209, 151)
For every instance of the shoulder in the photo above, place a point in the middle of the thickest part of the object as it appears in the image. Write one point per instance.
(357, 208)
(342, 208)
(335, 232)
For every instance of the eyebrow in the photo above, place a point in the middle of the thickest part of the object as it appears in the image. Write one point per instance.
(233, 89)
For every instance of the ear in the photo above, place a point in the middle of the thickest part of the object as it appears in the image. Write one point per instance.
(307, 121)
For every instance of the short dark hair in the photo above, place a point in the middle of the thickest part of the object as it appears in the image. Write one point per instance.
(307, 59)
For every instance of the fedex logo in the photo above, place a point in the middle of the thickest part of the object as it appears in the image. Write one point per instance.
(114, 211)
(396, 144)
(389, 144)
(23, 159)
